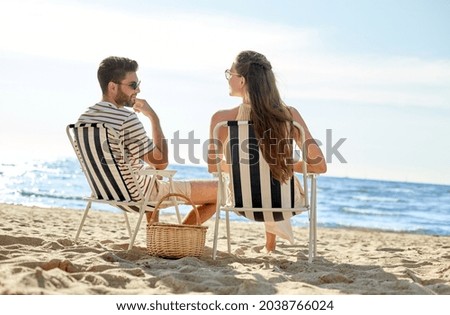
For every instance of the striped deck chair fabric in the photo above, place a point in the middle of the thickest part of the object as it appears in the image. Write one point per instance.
(252, 192)
(94, 148)
(252, 184)
(112, 180)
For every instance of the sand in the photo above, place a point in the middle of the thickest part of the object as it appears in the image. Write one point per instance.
(38, 256)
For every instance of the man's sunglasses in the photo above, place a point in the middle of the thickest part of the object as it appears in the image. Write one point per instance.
(134, 85)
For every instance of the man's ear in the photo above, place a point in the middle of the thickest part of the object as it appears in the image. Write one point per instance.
(112, 87)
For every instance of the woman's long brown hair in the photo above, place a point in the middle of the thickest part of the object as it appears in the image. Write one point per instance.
(271, 118)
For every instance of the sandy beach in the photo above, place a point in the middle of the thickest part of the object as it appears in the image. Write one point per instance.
(38, 256)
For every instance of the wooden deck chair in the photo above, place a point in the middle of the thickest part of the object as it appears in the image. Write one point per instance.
(94, 145)
(249, 189)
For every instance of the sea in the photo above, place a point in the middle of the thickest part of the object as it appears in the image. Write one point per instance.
(342, 202)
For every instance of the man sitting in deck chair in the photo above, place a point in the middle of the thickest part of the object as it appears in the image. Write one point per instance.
(120, 85)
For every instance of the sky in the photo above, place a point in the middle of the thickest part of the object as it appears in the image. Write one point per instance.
(370, 78)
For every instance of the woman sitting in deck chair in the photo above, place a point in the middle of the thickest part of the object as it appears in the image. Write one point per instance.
(252, 79)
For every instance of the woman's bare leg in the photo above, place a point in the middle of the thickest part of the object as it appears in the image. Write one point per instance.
(270, 241)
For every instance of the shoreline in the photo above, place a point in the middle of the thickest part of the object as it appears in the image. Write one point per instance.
(38, 256)
(245, 221)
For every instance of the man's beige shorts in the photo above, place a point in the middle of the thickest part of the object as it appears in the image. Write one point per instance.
(162, 188)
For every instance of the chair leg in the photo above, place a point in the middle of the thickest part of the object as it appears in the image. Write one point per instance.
(227, 215)
(88, 206)
(216, 231)
(136, 229)
(127, 222)
(314, 237)
(177, 210)
(313, 221)
(315, 230)
(310, 242)
(175, 201)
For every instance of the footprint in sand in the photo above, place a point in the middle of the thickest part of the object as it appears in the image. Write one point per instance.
(334, 278)
(64, 265)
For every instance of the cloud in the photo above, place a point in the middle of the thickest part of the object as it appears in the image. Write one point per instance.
(166, 39)
(196, 45)
(384, 80)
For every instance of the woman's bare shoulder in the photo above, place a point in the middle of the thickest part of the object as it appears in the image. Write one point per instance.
(295, 114)
(225, 114)
(292, 109)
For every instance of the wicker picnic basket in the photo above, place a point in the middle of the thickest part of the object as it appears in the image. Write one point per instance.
(175, 240)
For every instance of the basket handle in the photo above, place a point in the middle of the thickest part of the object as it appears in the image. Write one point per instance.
(155, 211)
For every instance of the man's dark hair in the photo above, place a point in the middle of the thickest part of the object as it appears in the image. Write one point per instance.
(114, 69)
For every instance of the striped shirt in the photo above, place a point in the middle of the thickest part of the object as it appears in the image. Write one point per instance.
(132, 134)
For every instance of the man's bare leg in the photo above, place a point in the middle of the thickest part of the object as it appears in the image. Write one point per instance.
(205, 211)
(203, 194)
(149, 216)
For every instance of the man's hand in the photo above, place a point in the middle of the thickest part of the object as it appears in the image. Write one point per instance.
(158, 157)
(141, 106)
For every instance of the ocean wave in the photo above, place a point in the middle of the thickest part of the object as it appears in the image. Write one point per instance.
(378, 199)
(443, 230)
(371, 212)
(34, 194)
